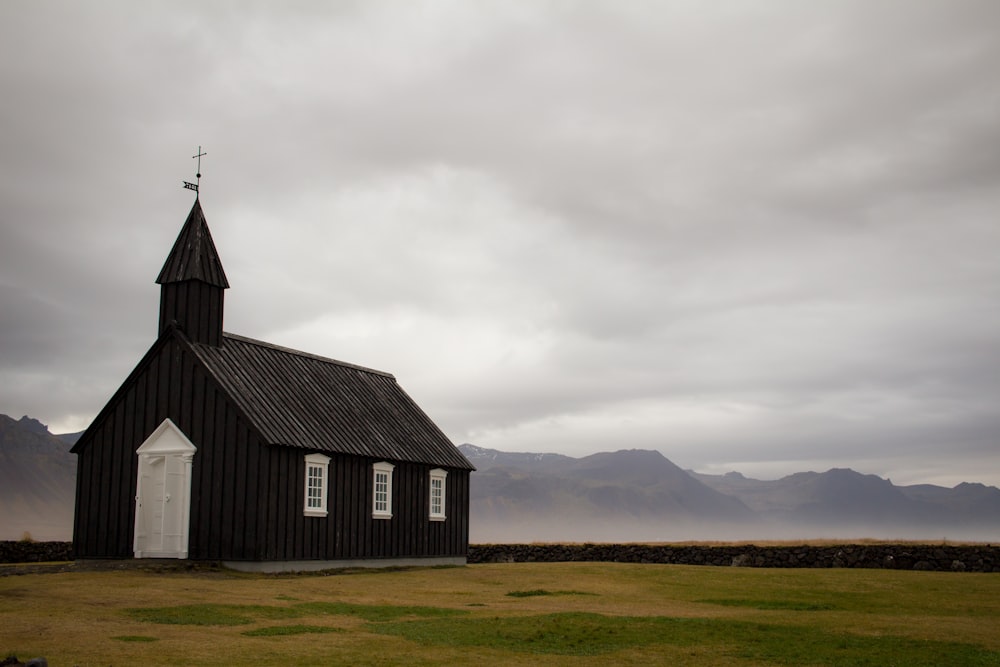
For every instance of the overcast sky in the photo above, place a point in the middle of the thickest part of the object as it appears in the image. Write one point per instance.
(756, 236)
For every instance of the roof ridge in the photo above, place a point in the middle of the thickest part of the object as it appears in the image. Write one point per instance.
(308, 355)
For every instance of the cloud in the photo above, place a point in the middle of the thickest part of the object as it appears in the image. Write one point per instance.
(756, 235)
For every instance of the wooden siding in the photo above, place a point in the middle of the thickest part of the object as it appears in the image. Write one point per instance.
(253, 410)
(349, 531)
(246, 496)
(196, 308)
(170, 382)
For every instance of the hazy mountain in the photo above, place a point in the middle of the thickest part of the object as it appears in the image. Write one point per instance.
(629, 494)
(840, 498)
(975, 502)
(640, 495)
(37, 481)
(837, 493)
(484, 459)
(68, 438)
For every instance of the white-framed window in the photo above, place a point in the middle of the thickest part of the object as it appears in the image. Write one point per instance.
(382, 490)
(317, 484)
(438, 496)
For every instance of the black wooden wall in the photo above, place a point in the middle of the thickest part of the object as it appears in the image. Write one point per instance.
(196, 307)
(169, 382)
(349, 531)
(246, 496)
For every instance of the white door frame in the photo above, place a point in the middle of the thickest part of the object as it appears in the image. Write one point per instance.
(163, 494)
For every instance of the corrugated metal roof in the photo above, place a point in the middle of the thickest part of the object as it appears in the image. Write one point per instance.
(303, 400)
(194, 256)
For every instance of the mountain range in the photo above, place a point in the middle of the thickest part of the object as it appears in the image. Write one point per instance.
(628, 495)
(37, 481)
(640, 495)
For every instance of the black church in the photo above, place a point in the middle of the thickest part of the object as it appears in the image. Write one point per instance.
(223, 448)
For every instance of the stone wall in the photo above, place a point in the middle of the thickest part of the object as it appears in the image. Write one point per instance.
(35, 552)
(964, 558)
(944, 557)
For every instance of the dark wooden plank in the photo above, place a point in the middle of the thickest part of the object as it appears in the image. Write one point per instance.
(253, 494)
(103, 453)
(116, 465)
(198, 396)
(226, 456)
(218, 515)
(241, 529)
(286, 539)
(268, 475)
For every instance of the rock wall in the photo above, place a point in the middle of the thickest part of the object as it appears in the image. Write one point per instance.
(944, 557)
(35, 552)
(956, 558)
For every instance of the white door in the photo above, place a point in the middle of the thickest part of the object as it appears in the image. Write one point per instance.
(163, 494)
(149, 505)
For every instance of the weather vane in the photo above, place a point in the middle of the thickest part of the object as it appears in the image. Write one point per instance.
(195, 186)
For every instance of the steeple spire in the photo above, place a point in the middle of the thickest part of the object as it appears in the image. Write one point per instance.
(194, 256)
(192, 282)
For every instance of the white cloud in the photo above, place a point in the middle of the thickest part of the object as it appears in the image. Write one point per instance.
(752, 233)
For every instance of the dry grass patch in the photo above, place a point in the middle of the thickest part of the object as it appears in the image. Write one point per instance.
(560, 613)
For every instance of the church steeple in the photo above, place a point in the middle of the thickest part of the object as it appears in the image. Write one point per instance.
(192, 283)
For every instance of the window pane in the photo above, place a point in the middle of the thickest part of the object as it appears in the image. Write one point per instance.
(316, 483)
(314, 492)
(435, 496)
(381, 492)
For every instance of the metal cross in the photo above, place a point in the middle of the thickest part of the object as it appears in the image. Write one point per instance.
(196, 186)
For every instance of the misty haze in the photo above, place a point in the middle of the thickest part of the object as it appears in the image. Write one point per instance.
(755, 238)
(623, 496)
(640, 496)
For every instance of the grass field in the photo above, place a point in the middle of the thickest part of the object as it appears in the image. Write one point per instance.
(519, 613)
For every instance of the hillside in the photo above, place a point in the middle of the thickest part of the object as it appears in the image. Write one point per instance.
(845, 498)
(637, 495)
(624, 495)
(37, 481)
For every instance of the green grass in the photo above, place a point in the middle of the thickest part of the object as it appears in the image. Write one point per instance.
(228, 614)
(283, 630)
(541, 591)
(585, 634)
(512, 614)
(209, 614)
(787, 605)
(376, 613)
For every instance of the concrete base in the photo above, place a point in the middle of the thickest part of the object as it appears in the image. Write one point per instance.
(317, 565)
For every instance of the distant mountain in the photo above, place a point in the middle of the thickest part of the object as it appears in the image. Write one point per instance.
(629, 494)
(971, 501)
(484, 459)
(639, 495)
(37, 481)
(69, 438)
(841, 498)
(837, 493)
